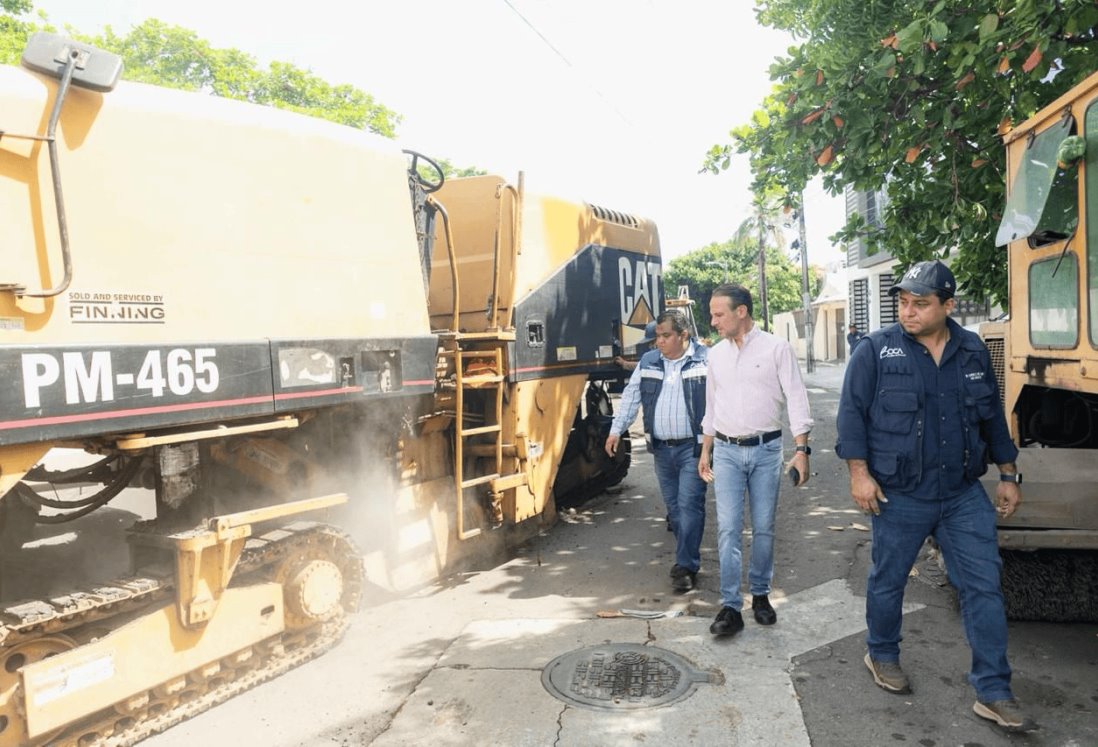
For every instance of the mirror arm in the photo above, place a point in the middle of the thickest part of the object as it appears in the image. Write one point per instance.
(55, 170)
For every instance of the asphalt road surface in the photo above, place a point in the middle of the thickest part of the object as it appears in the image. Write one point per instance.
(461, 661)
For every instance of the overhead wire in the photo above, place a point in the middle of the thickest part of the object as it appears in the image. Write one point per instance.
(545, 40)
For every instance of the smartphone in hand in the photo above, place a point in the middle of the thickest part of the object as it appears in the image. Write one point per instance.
(794, 476)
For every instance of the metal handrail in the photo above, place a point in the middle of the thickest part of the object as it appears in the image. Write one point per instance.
(453, 261)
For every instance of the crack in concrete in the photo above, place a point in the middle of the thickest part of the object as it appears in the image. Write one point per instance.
(412, 690)
(560, 725)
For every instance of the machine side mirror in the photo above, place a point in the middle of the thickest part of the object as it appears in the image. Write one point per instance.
(72, 63)
(50, 54)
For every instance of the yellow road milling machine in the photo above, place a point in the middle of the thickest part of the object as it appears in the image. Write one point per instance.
(1047, 356)
(311, 364)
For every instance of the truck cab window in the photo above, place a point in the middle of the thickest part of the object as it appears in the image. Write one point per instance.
(1043, 201)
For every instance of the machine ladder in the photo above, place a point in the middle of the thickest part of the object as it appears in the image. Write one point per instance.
(478, 364)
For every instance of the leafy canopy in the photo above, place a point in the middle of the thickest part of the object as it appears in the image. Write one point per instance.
(736, 260)
(175, 57)
(911, 96)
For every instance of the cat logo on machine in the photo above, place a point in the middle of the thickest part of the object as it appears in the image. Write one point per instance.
(639, 288)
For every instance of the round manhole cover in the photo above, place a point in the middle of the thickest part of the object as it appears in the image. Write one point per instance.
(621, 676)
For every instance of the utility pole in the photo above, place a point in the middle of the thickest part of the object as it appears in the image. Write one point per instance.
(806, 301)
(762, 270)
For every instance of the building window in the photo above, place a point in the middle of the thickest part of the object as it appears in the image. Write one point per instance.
(871, 216)
(859, 304)
(889, 308)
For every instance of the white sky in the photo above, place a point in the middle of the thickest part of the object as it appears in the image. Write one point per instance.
(614, 102)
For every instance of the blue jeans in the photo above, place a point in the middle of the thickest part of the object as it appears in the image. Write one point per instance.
(756, 471)
(684, 493)
(964, 527)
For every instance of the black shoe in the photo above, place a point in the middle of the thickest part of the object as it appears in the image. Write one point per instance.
(684, 582)
(764, 613)
(728, 622)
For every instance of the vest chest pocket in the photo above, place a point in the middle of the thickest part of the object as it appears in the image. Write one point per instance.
(898, 410)
(980, 401)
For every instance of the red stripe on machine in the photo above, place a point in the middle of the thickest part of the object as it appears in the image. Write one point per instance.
(113, 414)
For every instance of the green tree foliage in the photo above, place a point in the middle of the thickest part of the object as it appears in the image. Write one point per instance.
(13, 30)
(175, 57)
(450, 170)
(736, 261)
(911, 96)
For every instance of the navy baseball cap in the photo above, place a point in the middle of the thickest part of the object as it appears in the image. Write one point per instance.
(649, 334)
(927, 279)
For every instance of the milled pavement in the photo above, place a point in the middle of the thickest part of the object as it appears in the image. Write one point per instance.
(461, 661)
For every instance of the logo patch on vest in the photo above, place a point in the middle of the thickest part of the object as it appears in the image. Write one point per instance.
(975, 376)
(887, 352)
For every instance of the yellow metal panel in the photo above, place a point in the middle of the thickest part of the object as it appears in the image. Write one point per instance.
(552, 232)
(238, 221)
(16, 460)
(150, 650)
(542, 411)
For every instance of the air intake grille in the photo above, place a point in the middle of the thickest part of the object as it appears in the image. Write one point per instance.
(613, 216)
(996, 346)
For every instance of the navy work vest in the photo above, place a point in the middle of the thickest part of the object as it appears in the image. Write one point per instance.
(693, 386)
(897, 417)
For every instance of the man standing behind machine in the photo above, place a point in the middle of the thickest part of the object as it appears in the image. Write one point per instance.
(670, 384)
(751, 373)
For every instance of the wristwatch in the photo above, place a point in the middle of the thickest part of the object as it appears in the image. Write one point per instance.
(1015, 477)
(806, 449)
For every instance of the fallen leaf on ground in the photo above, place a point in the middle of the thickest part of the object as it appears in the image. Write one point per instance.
(859, 527)
(836, 529)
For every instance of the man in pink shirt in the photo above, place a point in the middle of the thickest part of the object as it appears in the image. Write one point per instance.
(751, 375)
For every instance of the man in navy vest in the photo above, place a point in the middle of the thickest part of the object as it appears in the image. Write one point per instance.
(918, 419)
(670, 384)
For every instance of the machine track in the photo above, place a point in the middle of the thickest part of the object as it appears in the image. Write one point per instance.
(35, 626)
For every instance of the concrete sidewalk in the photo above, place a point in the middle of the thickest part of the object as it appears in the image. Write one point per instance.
(460, 662)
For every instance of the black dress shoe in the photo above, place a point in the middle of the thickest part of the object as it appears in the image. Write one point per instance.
(764, 613)
(728, 622)
(685, 582)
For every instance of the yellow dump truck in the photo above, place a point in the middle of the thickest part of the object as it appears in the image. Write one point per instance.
(323, 369)
(1047, 358)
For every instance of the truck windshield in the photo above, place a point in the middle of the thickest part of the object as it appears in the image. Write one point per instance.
(1054, 302)
(1043, 197)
